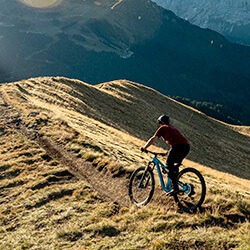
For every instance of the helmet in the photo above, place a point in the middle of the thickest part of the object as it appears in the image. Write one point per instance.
(163, 119)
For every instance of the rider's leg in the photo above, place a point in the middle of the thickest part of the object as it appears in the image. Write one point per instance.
(173, 170)
(176, 155)
(173, 173)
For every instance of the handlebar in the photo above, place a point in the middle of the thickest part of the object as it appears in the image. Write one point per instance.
(154, 153)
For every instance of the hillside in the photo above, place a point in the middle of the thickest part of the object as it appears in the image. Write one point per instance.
(98, 41)
(68, 149)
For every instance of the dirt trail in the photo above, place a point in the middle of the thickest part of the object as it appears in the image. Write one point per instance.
(109, 188)
(113, 189)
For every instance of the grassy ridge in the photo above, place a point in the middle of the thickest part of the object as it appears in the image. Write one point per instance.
(44, 206)
(134, 108)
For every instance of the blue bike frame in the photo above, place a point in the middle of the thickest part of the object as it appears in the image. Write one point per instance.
(159, 165)
(185, 188)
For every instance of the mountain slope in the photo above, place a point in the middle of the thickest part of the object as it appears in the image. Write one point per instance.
(135, 40)
(230, 18)
(67, 151)
(134, 108)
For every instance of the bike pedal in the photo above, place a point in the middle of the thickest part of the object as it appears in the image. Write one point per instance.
(191, 194)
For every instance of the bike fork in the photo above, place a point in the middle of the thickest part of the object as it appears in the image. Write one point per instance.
(143, 178)
(144, 175)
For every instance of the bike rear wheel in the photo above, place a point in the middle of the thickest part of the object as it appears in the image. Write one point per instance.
(141, 186)
(192, 189)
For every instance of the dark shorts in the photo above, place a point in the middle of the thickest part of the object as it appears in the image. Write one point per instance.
(177, 154)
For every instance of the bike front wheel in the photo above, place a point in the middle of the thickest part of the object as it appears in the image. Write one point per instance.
(141, 186)
(192, 189)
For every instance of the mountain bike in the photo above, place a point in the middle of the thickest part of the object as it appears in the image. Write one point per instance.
(191, 184)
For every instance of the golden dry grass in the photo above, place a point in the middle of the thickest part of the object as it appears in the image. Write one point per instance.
(44, 206)
(133, 108)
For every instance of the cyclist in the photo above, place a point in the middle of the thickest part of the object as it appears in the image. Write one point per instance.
(179, 147)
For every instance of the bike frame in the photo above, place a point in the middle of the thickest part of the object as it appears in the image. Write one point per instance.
(189, 196)
(159, 165)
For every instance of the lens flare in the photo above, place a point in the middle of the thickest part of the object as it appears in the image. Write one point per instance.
(41, 4)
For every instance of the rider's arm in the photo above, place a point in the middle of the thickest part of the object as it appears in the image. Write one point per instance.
(150, 142)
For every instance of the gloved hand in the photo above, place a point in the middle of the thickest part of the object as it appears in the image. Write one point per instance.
(144, 150)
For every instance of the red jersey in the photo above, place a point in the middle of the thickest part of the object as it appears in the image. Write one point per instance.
(171, 135)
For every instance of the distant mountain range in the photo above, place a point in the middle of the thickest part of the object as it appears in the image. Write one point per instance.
(229, 17)
(98, 41)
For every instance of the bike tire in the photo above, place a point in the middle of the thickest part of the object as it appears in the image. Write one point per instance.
(192, 190)
(140, 195)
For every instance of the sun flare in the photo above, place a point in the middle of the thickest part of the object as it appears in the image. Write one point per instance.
(41, 4)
